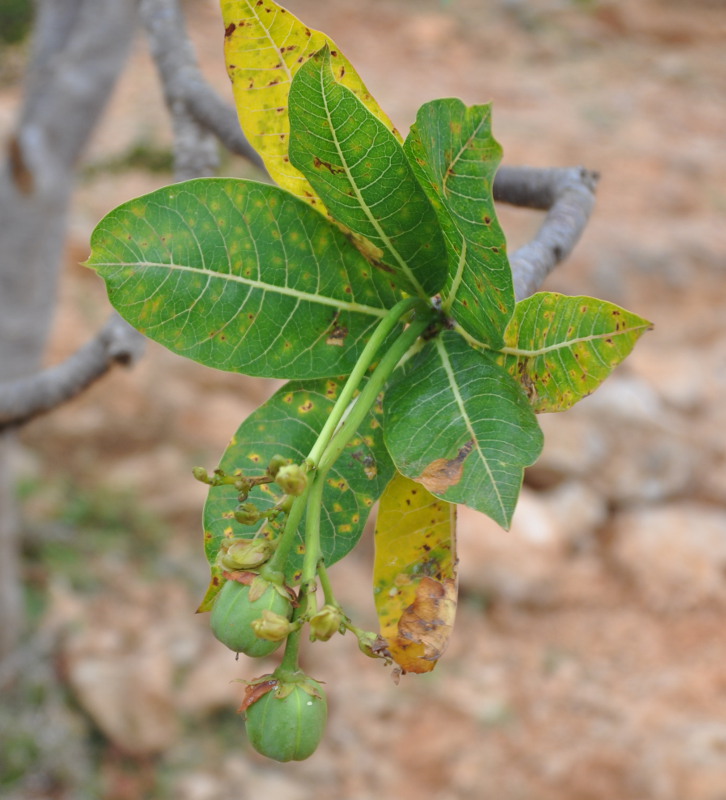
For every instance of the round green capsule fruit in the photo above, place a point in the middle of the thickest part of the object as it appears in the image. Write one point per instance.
(233, 614)
(288, 723)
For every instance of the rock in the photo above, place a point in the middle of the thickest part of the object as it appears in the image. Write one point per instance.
(127, 688)
(578, 511)
(646, 464)
(675, 554)
(674, 374)
(122, 653)
(210, 684)
(573, 447)
(514, 566)
(522, 565)
(687, 760)
(623, 442)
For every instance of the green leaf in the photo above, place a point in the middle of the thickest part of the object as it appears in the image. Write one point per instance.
(562, 348)
(241, 276)
(454, 156)
(360, 171)
(288, 425)
(457, 423)
(414, 573)
(264, 46)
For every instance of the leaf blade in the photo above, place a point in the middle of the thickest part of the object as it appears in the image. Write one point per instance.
(414, 573)
(563, 348)
(240, 276)
(455, 157)
(457, 423)
(288, 425)
(360, 171)
(265, 45)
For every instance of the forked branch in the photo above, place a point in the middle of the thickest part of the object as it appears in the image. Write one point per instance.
(24, 398)
(568, 196)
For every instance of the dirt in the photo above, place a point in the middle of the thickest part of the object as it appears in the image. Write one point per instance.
(588, 660)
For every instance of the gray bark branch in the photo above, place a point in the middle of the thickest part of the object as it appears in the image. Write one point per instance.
(79, 47)
(568, 196)
(188, 95)
(25, 398)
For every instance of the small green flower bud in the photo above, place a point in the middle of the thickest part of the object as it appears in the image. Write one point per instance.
(325, 623)
(292, 479)
(201, 475)
(247, 555)
(272, 627)
(276, 463)
(247, 514)
(372, 645)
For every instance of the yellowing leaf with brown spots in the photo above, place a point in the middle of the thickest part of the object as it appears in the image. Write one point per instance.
(414, 576)
(562, 348)
(265, 45)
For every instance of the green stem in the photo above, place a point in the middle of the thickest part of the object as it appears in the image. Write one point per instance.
(287, 539)
(312, 543)
(370, 392)
(292, 649)
(327, 586)
(387, 324)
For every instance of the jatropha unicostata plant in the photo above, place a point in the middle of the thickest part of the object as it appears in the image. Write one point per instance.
(374, 278)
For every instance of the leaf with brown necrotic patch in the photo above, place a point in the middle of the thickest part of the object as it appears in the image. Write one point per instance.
(457, 423)
(414, 575)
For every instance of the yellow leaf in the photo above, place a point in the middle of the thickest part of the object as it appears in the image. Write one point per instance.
(215, 584)
(265, 45)
(414, 574)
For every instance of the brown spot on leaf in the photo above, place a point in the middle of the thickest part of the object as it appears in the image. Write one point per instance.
(334, 170)
(443, 473)
(425, 626)
(337, 336)
(230, 29)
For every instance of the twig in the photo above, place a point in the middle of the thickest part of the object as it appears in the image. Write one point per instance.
(568, 195)
(183, 81)
(24, 398)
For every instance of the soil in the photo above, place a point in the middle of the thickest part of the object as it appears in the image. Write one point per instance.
(588, 660)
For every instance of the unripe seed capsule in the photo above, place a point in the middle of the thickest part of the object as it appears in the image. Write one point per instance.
(233, 614)
(287, 723)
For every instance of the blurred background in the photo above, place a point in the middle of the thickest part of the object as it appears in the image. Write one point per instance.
(589, 656)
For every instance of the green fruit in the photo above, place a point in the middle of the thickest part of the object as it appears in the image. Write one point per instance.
(288, 727)
(233, 614)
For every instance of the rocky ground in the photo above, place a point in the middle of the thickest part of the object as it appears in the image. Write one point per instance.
(588, 660)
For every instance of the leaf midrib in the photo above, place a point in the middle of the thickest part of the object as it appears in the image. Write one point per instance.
(274, 44)
(449, 169)
(446, 363)
(516, 351)
(364, 206)
(266, 287)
